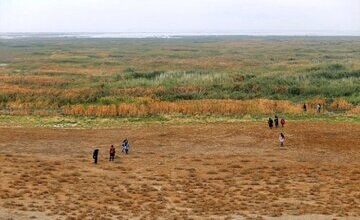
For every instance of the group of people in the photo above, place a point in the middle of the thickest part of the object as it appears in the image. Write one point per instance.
(275, 122)
(318, 108)
(271, 123)
(125, 146)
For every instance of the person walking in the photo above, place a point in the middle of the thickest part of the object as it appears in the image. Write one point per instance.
(282, 121)
(112, 153)
(304, 107)
(95, 155)
(282, 139)
(270, 123)
(125, 146)
(318, 108)
(276, 121)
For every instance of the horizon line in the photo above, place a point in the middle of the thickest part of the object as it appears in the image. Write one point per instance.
(157, 34)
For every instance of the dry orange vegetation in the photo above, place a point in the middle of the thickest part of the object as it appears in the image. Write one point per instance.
(146, 106)
(214, 107)
(216, 170)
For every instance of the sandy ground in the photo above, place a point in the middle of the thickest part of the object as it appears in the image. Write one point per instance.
(200, 171)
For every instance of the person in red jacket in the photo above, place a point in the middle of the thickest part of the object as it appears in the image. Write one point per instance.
(112, 153)
(282, 122)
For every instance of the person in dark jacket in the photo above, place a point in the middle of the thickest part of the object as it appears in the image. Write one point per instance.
(112, 153)
(304, 107)
(125, 146)
(95, 155)
(276, 121)
(271, 123)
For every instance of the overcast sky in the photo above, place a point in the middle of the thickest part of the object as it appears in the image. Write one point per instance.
(179, 15)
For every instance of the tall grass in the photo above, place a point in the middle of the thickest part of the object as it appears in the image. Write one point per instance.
(200, 107)
(90, 77)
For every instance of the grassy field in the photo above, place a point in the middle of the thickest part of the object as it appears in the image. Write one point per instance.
(218, 76)
(195, 111)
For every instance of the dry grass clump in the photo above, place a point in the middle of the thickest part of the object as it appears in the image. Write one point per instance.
(313, 102)
(354, 111)
(341, 104)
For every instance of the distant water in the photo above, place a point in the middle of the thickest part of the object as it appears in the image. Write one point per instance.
(172, 35)
(84, 35)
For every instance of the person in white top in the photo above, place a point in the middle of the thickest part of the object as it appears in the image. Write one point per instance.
(282, 139)
(318, 108)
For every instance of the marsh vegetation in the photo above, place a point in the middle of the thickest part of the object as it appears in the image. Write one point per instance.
(190, 75)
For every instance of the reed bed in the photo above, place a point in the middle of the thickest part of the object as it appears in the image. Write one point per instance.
(149, 107)
(191, 76)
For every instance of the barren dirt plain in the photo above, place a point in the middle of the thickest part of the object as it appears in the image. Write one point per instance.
(182, 171)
